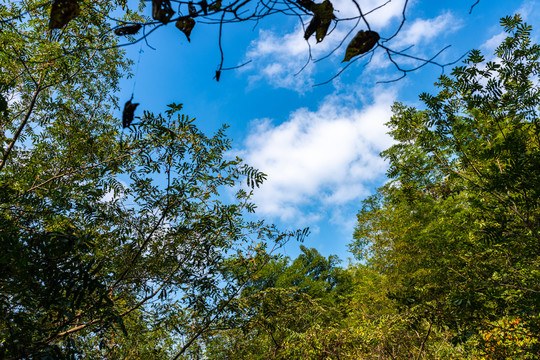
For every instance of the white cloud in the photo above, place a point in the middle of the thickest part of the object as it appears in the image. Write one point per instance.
(278, 58)
(493, 42)
(319, 159)
(528, 10)
(424, 30)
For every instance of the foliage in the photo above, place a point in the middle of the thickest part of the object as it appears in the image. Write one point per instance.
(281, 306)
(128, 245)
(456, 231)
(115, 245)
(352, 318)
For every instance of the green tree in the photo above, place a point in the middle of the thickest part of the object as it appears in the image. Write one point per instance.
(282, 307)
(311, 308)
(113, 246)
(456, 231)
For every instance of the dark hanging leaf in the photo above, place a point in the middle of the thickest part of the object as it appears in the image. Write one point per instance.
(62, 12)
(186, 25)
(323, 14)
(312, 27)
(128, 30)
(3, 106)
(306, 4)
(322, 30)
(204, 6)
(218, 75)
(192, 10)
(361, 44)
(162, 11)
(325, 10)
(128, 113)
(216, 6)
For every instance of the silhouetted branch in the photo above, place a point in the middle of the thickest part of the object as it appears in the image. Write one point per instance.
(241, 11)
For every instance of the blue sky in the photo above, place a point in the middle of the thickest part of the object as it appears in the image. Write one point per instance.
(318, 145)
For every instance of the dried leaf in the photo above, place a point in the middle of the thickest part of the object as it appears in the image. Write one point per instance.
(128, 30)
(204, 6)
(62, 12)
(186, 25)
(322, 30)
(128, 113)
(192, 10)
(324, 10)
(323, 14)
(162, 11)
(312, 27)
(218, 75)
(216, 6)
(361, 44)
(306, 4)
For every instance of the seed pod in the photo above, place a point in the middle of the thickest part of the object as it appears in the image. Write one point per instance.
(128, 113)
(62, 12)
(128, 30)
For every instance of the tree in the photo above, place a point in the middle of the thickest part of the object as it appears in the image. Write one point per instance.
(281, 308)
(115, 243)
(457, 229)
(311, 308)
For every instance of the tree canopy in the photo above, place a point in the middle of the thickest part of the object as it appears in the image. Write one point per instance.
(114, 242)
(128, 238)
